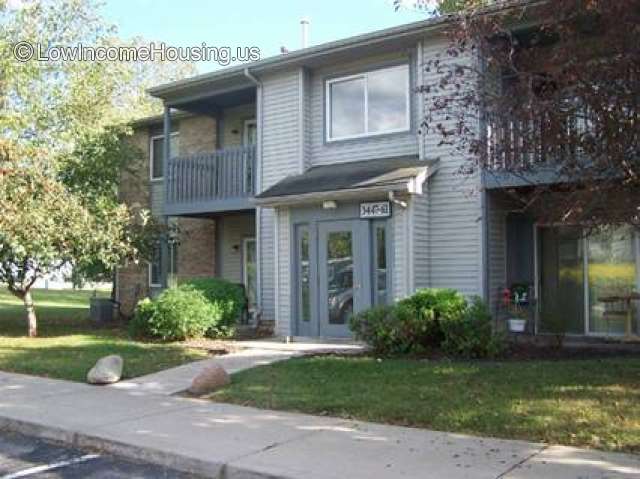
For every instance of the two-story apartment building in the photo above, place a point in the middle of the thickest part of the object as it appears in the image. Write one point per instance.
(307, 178)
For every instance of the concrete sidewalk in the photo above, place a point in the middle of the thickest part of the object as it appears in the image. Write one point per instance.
(249, 354)
(226, 441)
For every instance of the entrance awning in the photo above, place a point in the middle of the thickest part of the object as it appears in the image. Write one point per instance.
(351, 179)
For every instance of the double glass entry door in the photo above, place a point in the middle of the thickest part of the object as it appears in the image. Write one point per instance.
(337, 274)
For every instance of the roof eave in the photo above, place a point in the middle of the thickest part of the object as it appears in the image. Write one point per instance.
(343, 194)
(299, 56)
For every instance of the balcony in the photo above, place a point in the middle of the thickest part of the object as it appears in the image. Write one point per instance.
(516, 154)
(223, 180)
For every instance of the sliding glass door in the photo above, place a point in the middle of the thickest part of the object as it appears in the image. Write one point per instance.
(577, 272)
(562, 280)
(612, 272)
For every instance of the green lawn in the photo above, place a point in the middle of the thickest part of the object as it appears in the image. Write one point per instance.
(592, 403)
(68, 344)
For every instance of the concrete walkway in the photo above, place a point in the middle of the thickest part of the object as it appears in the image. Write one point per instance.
(250, 354)
(233, 442)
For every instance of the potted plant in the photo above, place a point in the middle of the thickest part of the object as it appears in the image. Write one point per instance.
(517, 320)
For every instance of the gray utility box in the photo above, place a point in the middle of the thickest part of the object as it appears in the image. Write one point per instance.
(102, 310)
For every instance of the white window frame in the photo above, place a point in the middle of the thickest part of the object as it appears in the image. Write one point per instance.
(245, 130)
(585, 272)
(365, 76)
(245, 272)
(151, 140)
(150, 270)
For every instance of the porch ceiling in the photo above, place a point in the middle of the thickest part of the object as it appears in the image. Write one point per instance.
(214, 102)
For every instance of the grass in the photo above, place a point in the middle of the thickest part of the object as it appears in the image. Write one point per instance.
(588, 403)
(68, 344)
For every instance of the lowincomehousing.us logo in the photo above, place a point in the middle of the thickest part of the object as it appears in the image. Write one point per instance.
(24, 51)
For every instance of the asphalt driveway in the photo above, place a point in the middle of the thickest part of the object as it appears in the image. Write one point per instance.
(28, 457)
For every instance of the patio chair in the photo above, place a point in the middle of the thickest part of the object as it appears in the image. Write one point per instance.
(616, 309)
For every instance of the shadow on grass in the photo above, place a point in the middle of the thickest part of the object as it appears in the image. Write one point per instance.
(590, 403)
(58, 312)
(71, 356)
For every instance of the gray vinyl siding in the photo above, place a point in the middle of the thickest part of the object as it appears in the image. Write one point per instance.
(400, 249)
(233, 124)
(450, 215)
(284, 325)
(157, 197)
(381, 146)
(267, 262)
(280, 157)
(306, 119)
(234, 228)
(421, 240)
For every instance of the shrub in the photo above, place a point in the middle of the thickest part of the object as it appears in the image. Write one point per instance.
(380, 328)
(427, 308)
(470, 334)
(412, 326)
(431, 318)
(228, 303)
(139, 324)
(176, 314)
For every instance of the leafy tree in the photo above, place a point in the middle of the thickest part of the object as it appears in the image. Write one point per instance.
(555, 90)
(61, 154)
(45, 227)
(442, 7)
(92, 172)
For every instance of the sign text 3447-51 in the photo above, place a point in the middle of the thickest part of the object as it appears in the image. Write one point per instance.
(376, 209)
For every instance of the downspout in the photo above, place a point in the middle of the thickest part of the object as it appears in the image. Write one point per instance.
(258, 182)
(421, 155)
(484, 208)
(164, 245)
(420, 81)
(484, 205)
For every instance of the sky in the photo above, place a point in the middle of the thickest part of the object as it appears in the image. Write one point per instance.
(266, 24)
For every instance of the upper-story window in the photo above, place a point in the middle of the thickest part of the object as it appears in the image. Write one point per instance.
(370, 103)
(156, 154)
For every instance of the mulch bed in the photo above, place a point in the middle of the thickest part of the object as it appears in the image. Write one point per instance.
(215, 347)
(523, 351)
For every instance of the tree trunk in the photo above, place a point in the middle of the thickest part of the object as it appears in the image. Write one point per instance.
(113, 285)
(32, 323)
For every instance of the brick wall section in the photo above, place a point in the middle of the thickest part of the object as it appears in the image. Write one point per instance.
(196, 253)
(132, 280)
(197, 135)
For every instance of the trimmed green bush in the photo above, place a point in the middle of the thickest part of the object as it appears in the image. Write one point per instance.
(196, 308)
(378, 327)
(426, 308)
(141, 320)
(227, 300)
(176, 314)
(412, 325)
(429, 319)
(470, 334)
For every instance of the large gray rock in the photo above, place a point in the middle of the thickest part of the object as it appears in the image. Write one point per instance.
(106, 371)
(208, 380)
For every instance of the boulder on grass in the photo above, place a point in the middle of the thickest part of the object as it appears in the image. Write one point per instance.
(208, 380)
(107, 370)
